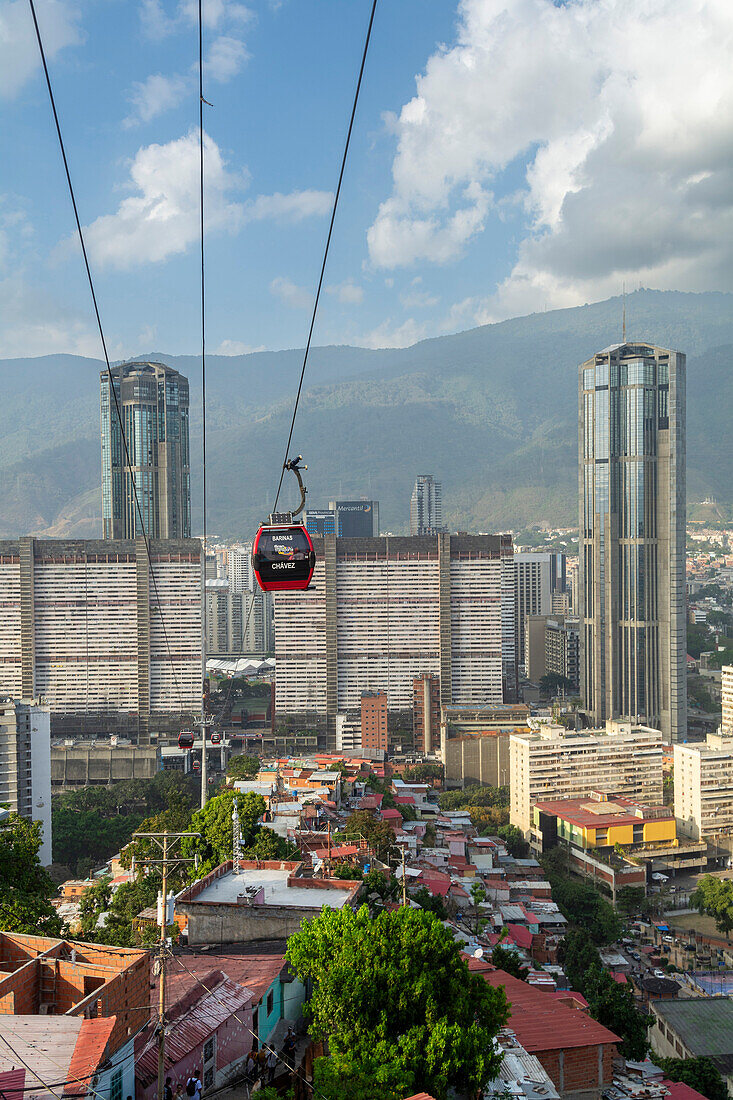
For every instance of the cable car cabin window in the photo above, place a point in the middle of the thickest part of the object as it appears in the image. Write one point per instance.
(283, 558)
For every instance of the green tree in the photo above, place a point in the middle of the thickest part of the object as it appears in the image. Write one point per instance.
(94, 901)
(629, 900)
(698, 639)
(395, 1000)
(698, 1073)
(346, 871)
(612, 1004)
(714, 896)
(509, 961)
(488, 819)
(127, 902)
(513, 837)
(379, 835)
(243, 767)
(578, 955)
(478, 896)
(433, 903)
(423, 773)
(475, 795)
(25, 887)
(214, 823)
(580, 903)
(381, 883)
(554, 684)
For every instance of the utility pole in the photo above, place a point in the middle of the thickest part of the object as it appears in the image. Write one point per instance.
(204, 722)
(165, 842)
(401, 849)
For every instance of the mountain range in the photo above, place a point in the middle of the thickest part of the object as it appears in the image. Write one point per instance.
(492, 412)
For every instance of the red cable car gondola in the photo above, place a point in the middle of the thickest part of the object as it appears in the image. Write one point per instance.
(185, 740)
(283, 558)
(196, 766)
(216, 739)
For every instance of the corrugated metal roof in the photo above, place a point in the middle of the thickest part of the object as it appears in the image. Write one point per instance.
(12, 1083)
(542, 1023)
(193, 1027)
(704, 1024)
(90, 1051)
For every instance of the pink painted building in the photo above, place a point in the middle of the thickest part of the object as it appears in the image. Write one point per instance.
(209, 1034)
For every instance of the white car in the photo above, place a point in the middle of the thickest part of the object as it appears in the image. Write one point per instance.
(659, 974)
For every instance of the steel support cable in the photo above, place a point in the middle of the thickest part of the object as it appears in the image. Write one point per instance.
(204, 756)
(90, 280)
(319, 287)
(334, 208)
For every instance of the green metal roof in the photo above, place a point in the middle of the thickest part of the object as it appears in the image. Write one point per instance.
(704, 1024)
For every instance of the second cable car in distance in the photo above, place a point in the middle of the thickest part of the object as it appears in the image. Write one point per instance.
(283, 558)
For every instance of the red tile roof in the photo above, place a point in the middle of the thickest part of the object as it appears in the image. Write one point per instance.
(542, 1024)
(521, 935)
(574, 810)
(89, 1053)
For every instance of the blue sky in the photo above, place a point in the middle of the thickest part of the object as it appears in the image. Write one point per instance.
(508, 156)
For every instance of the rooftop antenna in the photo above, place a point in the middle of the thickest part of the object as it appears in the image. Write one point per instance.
(236, 838)
(624, 312)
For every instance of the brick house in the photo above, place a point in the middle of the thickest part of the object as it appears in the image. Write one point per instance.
(575, 1050)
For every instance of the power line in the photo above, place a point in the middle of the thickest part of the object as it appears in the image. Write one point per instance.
(328, 245)
(204, 760)
(246, 1027)
(90, 280)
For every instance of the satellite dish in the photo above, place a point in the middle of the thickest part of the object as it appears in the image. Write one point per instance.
(478, 953)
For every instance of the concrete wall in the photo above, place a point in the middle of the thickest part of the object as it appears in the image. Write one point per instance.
(211, 922)
(477, 758)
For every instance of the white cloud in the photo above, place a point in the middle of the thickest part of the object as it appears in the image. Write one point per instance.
(293, 207)
(297, 297)
(158, 20)
(237, 347)
(387, 336)
(162, 217)
(620, 116)
(36, 323)
(226, 57)
(152, 97)
(19, 57)
(348, 293)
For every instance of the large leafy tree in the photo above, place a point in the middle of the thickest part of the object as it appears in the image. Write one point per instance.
(580, 903)
(396, 1002)
(698, 1073)
(714, 896)
(25, 887)
(577, 954)
(513, 837)
(612, 1004)
(509, 961)
(243, 767)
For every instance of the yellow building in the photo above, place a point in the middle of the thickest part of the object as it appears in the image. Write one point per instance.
(598, 822)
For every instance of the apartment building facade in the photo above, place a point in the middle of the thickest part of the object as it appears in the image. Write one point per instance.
(82, 628)
(25, 764)
(551, 763)
(703, 789)
(384, 611)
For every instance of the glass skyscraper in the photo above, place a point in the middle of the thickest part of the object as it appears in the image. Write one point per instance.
(632, 536)
(153, 401)
(426, 506)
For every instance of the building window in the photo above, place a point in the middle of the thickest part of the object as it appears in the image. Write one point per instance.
(209, 1049)
(115, 1086)
(270, 1001)
(208, 1077)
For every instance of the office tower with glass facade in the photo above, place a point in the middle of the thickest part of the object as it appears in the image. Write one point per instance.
(632, 536)
(153, 401)
(426, 506)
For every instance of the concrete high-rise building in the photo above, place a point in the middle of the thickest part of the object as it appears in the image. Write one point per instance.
(320, 521)
(552, 762)
(153, 402)
(384, 611)
(632, 536)
(25, 763)
(237, 622)
(81, 627)
(703, 789)
(426, 713)
(537, 578)
(562, 649)
(355, 519)
(426, 506)
(726, 693)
